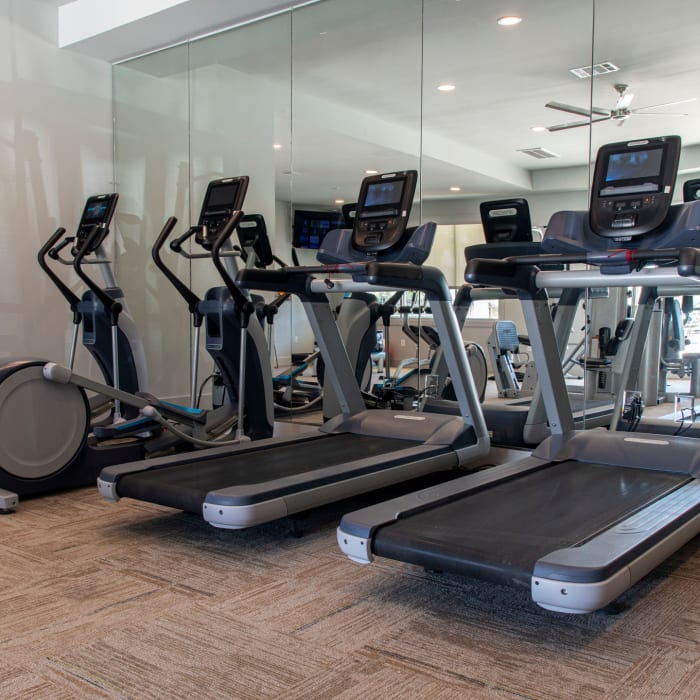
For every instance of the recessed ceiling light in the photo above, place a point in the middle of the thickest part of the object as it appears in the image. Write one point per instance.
(371, 172)
(277, 146)
(340, 201)
(509, 20)
(455, 189)
(538, 128)
(446, 87)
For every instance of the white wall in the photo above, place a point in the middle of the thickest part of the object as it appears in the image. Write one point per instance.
(463, 210)
(55, 150)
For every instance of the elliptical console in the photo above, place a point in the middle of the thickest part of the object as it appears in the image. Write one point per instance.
(632, 186)
(222, 198)
(99, 210)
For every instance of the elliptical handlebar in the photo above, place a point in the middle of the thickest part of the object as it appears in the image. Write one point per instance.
(55, 251)
(47, 249)
(191, 299)
(113, 307)
(227, 230)
(176, 244)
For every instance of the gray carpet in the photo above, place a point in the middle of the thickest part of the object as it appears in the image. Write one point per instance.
(129, 600)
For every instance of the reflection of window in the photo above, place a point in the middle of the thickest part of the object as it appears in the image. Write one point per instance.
(484, 309)
(692, 324)
(415, 301)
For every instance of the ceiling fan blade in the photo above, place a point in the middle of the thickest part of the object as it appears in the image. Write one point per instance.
(573, 125)
(569, 108)
(659, 114)
(666, 104)
(583, 111)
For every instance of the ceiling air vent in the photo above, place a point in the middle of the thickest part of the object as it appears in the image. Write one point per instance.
(597, 69)
(538, 153)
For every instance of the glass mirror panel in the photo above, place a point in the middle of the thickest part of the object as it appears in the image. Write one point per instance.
(489, 134)
(486, 138)
(652, 91)
(240, 125)
(356, 104)
(152, 179)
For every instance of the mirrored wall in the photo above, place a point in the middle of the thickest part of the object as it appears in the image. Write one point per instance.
(308, 101)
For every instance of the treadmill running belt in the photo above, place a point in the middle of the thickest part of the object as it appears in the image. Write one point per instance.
(498, 533)
(185, 486)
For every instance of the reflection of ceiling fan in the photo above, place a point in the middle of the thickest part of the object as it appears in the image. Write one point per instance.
(619, 113)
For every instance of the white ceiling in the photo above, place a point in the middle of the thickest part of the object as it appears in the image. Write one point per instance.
(364, 80)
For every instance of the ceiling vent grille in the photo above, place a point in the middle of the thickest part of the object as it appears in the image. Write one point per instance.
(597, 69)
(538, 153)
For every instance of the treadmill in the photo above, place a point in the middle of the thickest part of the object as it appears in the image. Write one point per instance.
(358, 450)
(522, 421)
(588, 513)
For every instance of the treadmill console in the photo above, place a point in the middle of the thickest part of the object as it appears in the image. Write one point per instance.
(252, 233)
(382, 210)
(632, 186)
(99, 210)
(506, 220)
(691, 190)
(222, 198)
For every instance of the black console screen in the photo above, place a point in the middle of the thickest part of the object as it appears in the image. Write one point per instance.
(384, 194)
(626, 172)
(223, 195)
(96, 211)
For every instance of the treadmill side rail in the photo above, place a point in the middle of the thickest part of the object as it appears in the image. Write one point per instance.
(640, 450)
(576, 579)
(241, 507)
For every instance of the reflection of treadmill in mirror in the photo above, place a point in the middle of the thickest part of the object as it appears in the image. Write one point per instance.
(522, 421)
(252, 236)
(691, 190)
(590, 512)
(358, 450)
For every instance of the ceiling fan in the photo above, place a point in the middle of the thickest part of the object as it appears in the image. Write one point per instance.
(619, 113)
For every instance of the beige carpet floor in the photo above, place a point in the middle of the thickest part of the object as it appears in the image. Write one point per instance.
(129, 600)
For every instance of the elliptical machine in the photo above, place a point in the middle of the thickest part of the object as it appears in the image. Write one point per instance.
(88, 312)
(46, 441)
(33, 450)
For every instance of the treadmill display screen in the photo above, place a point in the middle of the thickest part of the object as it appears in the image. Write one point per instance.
(383, 194)
(632, 186)
(633, 171)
